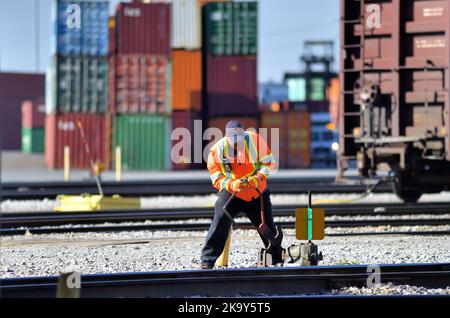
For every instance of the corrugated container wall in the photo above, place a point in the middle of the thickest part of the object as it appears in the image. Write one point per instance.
(14, 89)
(187, 80)
(231, 86)
(186, 25)
(90, 38)
(298, 125)
(230, 28)
(143, 28)
(139, 84)
(186, 22)
(33, 140)
(144, 140)
(276, 139)
(292, 142)
(112, 35)
(188, 120)
(33, 113)
(77, 84)
(61, 130)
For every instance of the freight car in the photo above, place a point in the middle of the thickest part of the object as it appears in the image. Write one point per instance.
(394, 112)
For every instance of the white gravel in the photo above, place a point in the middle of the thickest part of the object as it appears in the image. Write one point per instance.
(209, 200)
(391, 289)
(36, 255)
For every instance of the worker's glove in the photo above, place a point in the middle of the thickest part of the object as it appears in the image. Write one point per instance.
(237, 185)
(254, 181)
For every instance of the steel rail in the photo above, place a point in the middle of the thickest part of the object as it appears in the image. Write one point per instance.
(294, 281)
(205, 226)
(51, 218)
(39, 190)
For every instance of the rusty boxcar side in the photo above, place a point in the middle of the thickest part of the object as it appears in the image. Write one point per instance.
(394, 105)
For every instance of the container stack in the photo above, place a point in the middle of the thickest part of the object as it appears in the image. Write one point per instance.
(186, 74)
(77, 83)
(230, 66)
(33, 123)
(140, 81)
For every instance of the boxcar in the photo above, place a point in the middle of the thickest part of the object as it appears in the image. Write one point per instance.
(394, 102)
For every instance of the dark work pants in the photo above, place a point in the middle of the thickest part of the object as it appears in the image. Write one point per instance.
(221, 224)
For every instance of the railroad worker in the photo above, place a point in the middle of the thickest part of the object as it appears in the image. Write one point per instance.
(239, 164)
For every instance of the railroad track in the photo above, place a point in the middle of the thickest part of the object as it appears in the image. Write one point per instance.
(293, 281)
(204, 226)
(40, 190)
(51, 218)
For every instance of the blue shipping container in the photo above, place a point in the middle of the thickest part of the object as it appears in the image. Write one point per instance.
(89, 37)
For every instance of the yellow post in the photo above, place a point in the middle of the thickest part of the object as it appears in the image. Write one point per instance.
(118, 162)
(222, 261)
(66, 163)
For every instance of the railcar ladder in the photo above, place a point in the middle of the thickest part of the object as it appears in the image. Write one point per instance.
(344, 92)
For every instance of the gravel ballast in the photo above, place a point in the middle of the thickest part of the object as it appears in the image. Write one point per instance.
(37, 255)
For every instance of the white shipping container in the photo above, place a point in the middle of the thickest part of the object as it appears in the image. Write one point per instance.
(186, 23)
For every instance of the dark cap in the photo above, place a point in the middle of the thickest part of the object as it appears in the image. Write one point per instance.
(233, 124)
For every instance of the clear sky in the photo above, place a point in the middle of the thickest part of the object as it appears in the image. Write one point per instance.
(283, 26)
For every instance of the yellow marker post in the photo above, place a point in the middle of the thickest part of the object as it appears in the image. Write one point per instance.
(118, 162)
(222, 261)
(66, 163)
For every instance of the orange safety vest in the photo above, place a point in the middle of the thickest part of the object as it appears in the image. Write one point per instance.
(255, 158)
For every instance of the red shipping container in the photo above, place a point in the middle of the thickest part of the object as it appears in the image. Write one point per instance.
(61, 130)
(33, 113)
(183, 119)
(143, 28)
(139, 84)
(231, 86)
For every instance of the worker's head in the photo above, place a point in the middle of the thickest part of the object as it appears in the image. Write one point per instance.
(234, 132)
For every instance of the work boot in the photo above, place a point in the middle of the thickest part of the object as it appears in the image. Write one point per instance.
(206, 265)
(276, 250)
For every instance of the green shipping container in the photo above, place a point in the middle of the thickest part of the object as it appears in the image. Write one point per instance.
(296, 89)
(144, 140)
(231, 28)
(77, 85)
(317, 89)
(33, 140)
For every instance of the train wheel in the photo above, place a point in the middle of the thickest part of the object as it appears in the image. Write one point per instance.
(407, 196)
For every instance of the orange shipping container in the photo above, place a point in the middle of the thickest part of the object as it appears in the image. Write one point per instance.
(293, 137)
(61, 130)
(186, 80)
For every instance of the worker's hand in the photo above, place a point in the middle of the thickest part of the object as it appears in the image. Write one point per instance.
(237, 185)
(254, 181)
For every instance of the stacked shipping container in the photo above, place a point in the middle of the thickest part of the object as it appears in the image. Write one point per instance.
(14, 89)
(33, 123)
(230, 65)
(291, 143)
(140, 84)
(77, 83)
